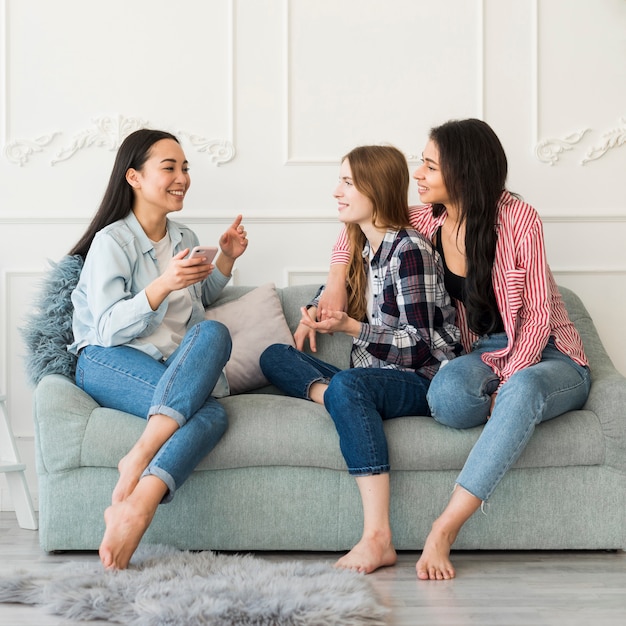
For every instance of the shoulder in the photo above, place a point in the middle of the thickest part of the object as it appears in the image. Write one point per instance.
(423, 220)
(411, 239)
(515, 213)
(186, 234)
(119, 233)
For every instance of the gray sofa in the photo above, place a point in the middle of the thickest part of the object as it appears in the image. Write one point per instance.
(277, 480)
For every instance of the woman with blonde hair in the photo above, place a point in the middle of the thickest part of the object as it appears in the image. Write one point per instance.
(402, 324)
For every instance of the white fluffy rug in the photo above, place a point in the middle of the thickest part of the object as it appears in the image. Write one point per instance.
(166, 587)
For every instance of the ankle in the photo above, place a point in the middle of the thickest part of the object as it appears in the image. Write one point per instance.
(444, 531)
(381, 536)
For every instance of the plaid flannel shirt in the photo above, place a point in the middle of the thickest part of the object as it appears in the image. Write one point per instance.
(413, 320)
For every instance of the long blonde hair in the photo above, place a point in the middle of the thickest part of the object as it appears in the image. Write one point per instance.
(381, 174)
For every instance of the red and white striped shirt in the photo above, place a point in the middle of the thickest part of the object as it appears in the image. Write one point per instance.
(528, 298)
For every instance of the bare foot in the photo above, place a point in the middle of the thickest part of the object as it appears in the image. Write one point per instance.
(434, 564)
(126, 522)
(131, 468)
(368, 555)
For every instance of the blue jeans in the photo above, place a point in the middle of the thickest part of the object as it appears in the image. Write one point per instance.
(129, 380)
(459, 396)
(358, 400)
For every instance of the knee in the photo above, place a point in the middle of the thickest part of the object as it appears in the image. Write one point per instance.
(453, 404)
(274, 355)
(216, 335)
(342, 385)
(219, 419)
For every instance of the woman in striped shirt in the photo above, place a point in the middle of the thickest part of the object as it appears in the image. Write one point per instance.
(525, 362)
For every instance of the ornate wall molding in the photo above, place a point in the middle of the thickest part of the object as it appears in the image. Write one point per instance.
(612, 139)
(107, 132)
(549, 150)
(20, 151)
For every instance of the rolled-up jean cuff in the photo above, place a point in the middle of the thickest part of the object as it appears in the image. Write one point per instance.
(369, 471)
(166, 478)
(161, 409)
(322, 379)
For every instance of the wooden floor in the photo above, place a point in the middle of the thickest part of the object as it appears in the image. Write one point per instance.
(491, 588)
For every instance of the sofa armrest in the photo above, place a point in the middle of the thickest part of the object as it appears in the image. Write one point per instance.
(607, 399)
(61, 412)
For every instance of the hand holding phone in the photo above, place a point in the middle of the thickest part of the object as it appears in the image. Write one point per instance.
(208, 252)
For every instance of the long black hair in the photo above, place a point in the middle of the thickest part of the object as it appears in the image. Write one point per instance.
(474, 169)
(118, 198)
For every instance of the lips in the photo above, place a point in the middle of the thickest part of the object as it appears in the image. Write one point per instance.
(179, 193)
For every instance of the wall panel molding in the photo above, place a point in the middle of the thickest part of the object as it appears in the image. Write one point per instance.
(549, 149)
(227, 218)
(291, 159)
(107, 131)
(305, 275)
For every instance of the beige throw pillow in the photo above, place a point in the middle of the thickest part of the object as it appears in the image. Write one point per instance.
(255, 321)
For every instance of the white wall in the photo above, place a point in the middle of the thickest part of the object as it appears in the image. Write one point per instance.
(266, 95)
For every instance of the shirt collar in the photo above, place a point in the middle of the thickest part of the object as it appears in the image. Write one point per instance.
(385, 249)
(146, 245)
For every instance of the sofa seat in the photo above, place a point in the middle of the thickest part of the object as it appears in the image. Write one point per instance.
(277, 479)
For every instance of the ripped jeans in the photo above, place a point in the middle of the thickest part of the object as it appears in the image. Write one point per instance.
(460, 396)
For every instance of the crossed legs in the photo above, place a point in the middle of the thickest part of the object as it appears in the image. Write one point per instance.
(184, 424)
(135, 499)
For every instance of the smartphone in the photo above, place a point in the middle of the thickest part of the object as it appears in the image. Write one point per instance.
(207, 252)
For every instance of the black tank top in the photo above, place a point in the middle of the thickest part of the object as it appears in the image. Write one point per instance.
(455, 284)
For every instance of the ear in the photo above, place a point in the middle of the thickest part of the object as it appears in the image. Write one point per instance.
(132, 178)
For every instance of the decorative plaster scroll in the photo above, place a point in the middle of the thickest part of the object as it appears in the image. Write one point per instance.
(548, 150)
(19, 151)
(612, 139)
(107, 133)
(220, 150)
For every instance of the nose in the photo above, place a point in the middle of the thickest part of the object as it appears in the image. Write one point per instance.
(337, 193)
(417, 174)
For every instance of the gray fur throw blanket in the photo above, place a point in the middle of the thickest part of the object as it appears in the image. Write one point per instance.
(165, 587)
(48, 327)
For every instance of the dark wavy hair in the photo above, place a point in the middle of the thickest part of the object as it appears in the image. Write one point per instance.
(381, 174)
(474, 169)
(118, 198)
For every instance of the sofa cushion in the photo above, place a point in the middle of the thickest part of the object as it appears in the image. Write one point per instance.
(255, 321)
(269, 430)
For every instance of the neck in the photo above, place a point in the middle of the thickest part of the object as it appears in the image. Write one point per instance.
(155, 226)
(374, 235)
(453, 212)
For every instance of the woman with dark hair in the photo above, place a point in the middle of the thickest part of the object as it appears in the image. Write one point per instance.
(402, 324)
(525, 361)
(142, 342)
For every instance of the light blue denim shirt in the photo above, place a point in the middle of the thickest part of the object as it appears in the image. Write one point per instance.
(110, 303)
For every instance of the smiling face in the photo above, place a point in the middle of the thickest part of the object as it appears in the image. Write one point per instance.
(163, 180)
(354, 207)
(430, 183)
